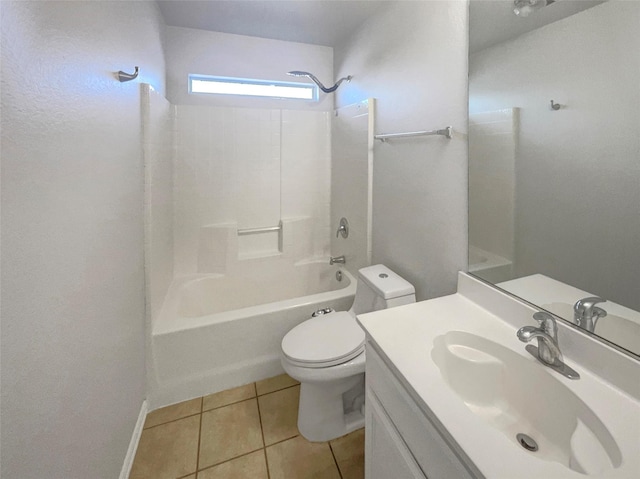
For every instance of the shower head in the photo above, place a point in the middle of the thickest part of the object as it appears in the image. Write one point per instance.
(524, 8)
(297, 73)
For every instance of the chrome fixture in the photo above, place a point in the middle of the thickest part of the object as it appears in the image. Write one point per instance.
(446, 132)
(586, 314)
(337, 260)
(296, 73)
(322, 312)
(343, 229)
(123, 76)
(524, 8)
(339, 275)
(548, 351)
(527, 442)
(264, 229)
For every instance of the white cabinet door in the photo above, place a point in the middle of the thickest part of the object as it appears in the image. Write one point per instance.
(386, 455)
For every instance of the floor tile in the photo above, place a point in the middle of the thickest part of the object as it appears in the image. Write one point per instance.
(279, 414)
(173, 412)
(228, 432)
(349, 453)
(298, 458)
(275, 383)
(229, 396)
(167, 451)
(253, 466)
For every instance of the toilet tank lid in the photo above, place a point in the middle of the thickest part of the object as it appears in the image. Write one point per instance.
(385, 282)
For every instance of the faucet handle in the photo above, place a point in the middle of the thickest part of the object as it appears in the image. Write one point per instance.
(343, 229)
(547, 323)
(585, 306)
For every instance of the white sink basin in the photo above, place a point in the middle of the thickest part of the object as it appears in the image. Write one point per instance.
(516, 394)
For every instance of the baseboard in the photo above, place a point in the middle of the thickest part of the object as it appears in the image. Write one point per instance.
(135, 439)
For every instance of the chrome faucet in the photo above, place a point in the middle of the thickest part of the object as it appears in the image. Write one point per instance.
(548, 351)
(337, 259)
(586, 314)
(343, 229)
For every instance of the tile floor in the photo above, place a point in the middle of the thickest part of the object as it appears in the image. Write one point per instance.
(248, 432)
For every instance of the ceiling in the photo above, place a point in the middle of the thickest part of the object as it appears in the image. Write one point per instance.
(493, 21)
(331, 22)
(318, 22)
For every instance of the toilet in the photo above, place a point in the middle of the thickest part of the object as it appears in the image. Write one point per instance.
(326, 354)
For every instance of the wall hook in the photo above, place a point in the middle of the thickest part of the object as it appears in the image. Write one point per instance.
(123, 76)
(555, 106)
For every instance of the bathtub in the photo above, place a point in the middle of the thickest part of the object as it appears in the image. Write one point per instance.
(216, 332)
(489, 266)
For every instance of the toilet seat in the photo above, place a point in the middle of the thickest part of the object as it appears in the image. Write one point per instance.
(324, 341)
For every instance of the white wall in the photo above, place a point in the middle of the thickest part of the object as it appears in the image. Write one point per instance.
(73, 371)
(413, 59)
(577, 194)
(223, 54)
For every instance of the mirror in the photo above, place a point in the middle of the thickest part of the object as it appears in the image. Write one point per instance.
(554, 159)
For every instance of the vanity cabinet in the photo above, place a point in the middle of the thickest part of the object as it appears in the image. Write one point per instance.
(401, 442)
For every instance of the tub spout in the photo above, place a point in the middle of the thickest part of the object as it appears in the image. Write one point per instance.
(337, 259)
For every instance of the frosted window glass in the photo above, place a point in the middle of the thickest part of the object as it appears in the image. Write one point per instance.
(238, 86)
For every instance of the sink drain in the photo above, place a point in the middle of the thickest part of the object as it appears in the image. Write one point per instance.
(527, 442)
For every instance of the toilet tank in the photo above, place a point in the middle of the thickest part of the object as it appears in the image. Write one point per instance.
(380, 288)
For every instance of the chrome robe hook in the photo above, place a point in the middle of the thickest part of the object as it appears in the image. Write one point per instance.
(124, 76)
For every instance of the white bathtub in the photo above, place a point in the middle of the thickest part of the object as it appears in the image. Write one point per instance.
(216, 332)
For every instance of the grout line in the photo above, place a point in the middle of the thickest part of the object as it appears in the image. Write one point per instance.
(199, 440)
(234, 402)
(230, 404)
(264, 444)
(282, 440)
(277, 390)
(172, 420)
(335, 460)
(230, 459)
(266, 461)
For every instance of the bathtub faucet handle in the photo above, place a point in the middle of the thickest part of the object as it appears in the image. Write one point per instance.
(343, 229)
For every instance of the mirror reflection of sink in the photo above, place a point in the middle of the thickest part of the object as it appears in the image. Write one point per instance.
(622, 331)
(516, 394)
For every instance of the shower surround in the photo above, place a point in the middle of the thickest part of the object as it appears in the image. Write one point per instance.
(212, 172)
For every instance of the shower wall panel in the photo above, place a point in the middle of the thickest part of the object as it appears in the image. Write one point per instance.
(249, 168)
(157, 134)
(352, 157)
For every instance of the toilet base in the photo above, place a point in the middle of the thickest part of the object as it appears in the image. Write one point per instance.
(331, 409)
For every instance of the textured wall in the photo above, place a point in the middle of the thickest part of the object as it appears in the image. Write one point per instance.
(73, 372)
(412, 58)
(578, 168)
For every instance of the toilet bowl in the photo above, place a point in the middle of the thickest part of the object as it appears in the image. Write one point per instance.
(327, 355)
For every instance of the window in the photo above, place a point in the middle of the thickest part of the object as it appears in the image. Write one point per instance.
(256, 88)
